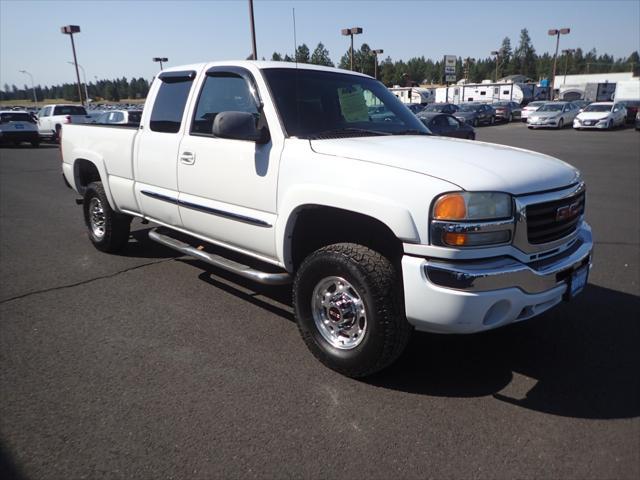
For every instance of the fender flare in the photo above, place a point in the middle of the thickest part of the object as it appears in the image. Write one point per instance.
(396, 217)
(98, 162)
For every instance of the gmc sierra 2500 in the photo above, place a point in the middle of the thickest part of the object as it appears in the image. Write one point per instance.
(381, 227)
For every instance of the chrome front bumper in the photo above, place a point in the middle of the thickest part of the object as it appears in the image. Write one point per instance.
(505, 272)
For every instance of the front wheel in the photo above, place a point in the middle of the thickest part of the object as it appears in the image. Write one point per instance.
(610, 125)
(475, 122)
(561, 124)
(348, 305)
(510, 119)
(108, 229)
(492, 120)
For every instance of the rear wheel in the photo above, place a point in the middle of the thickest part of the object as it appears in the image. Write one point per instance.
(475, 122)
(348, 305)
(510, 119)
(492, 120)
(108, 230)
(56, 135)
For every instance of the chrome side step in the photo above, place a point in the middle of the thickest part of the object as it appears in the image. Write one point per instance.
(245, 271)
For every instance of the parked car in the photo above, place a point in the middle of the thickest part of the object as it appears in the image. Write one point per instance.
(602, 115)
(415, 107)
(638, 120)
(381, 227)
(530, 108)
(553, 115)
(476, 113)
(447, 125)
(632, 107)
(507, 111)
(119, 117)
(442, 108)
(52, 117)
(17, 127)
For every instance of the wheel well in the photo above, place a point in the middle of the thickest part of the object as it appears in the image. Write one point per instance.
(318, 226)
(84, 172)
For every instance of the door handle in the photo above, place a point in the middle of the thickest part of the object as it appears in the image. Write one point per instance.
(187, 158)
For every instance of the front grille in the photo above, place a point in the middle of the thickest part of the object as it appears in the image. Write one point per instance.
(546, 222)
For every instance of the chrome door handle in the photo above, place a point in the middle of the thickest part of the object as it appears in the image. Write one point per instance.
(187, 158)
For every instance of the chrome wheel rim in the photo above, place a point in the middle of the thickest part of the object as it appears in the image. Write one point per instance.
(96, 217)
(339, 313)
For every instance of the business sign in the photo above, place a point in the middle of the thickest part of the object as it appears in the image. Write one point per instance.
(450, 78)
(450, 65)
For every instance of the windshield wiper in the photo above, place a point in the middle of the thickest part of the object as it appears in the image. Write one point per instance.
(339, 132)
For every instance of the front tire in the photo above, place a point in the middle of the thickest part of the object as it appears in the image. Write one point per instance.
(348, 305)
(561, 124)
(108, 229)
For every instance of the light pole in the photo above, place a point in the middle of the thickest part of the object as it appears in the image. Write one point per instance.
(497, 55)
(35, 99)
(350, 32)
(84, 76)
(253, 31)
(70, 30)
(160, 60)
(567, 52)
(375, 65)
(556, 33)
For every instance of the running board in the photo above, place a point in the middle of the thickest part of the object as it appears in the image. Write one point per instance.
(245, 271)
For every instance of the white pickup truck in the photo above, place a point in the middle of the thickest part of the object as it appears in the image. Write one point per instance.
(380, 227)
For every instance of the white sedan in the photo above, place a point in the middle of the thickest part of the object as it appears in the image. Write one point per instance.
(553, 115)
(601, 115)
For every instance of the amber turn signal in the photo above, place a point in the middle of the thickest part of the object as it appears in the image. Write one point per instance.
(455, 239)
(450, 207)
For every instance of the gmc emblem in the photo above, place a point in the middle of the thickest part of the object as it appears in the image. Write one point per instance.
(567, 212)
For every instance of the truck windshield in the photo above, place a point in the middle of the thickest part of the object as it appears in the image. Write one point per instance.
(320, 104)
(16, 117)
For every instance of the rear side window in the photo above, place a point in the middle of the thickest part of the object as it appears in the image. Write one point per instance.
(170, 101)
(134, 117)
(69, 110)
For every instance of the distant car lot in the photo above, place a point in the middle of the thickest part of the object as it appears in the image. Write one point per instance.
(194, 373)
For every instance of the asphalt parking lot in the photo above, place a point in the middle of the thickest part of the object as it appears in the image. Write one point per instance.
(152, 365)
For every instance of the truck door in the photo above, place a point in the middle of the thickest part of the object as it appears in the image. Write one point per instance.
(157, 148)
(228, 187)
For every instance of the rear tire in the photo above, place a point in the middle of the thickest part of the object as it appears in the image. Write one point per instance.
(348, 305)
(510, 119)
(475, 122)
(492, 120)
(108, 230)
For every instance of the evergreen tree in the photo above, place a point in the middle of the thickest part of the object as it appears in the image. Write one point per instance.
(302, 54)
(526, 56)
(320, 56)
(276, 57)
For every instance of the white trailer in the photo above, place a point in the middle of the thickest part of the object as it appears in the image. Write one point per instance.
(414, 94)
(628, 90)
(491, 92)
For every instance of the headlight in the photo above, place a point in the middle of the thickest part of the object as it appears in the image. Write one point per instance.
(472, 206)
(470, 219)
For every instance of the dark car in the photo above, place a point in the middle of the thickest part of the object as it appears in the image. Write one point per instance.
(476, 113)
(415, 107)
(507, 111)
(638, 120)
(441, 108)
(447, 125)
(632, 107)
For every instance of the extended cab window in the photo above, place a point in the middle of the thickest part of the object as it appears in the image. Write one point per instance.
(222, 92)
(170, 101)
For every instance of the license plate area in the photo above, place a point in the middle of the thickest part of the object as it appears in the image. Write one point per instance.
(576, 281)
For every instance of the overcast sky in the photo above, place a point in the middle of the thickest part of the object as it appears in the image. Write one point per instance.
(119, 38)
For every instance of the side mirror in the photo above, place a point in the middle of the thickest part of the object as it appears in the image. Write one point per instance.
(239, 126)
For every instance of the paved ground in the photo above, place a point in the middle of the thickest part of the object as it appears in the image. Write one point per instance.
(149, 365)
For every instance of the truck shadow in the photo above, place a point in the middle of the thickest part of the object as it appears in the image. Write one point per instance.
(581, 359)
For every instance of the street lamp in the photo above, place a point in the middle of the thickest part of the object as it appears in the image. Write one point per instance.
(160, 60)
(70, 30)
(556, 33)
(567, 52)
(84, 75)
(497, 55)
(35, 99)
(350, 32)
(375, 65)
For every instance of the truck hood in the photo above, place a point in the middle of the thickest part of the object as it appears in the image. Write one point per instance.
(470, 165)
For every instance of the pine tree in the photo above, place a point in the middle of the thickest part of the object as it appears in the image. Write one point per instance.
(302, 54)
(320, 56)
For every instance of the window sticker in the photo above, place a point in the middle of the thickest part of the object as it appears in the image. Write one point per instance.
(353, 104)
